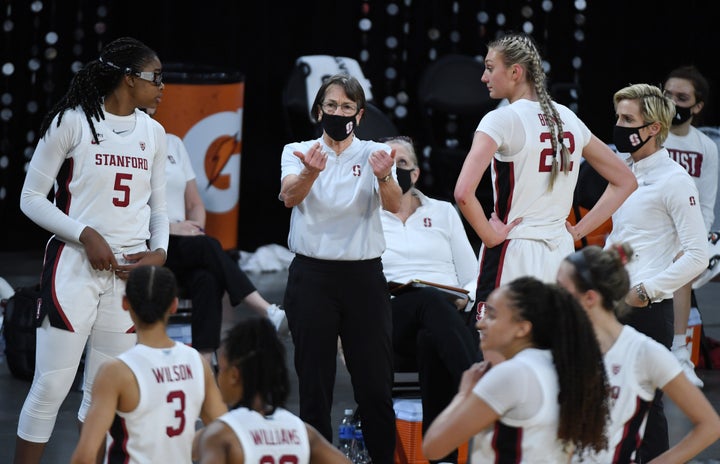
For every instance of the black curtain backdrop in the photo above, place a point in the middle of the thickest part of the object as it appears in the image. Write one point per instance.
(624, 42)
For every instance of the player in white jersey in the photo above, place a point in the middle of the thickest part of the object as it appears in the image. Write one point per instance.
(253, 377)
(547, 398)
(150, 396)
(534, 146)
(698, 154)
(636, 365)
(106, 161)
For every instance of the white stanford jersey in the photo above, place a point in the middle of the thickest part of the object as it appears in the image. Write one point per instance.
(636, 365)
(111, 185)
(172, 391)
(278, 438)
(529, 440)
(521, 178)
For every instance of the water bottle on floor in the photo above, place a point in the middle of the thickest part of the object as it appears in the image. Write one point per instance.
(346, 433)
(359, 453)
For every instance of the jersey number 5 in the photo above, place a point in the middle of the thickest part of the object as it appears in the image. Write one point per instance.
(124, 190)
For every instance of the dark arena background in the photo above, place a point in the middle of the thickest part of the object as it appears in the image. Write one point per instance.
(591, 48)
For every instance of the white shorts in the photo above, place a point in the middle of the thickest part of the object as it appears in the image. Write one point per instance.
(535, 258)
(78, 298)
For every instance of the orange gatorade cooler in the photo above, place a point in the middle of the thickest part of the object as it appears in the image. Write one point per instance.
(408, 433)
(204, 107)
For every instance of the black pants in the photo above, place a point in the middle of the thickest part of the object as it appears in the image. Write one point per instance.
(655, 321)
(203, 268)
(428, 328)
(324, 299)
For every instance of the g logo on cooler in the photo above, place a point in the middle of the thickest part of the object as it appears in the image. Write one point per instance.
(219, 137)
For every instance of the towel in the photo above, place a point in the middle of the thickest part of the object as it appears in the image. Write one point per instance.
(323, 66)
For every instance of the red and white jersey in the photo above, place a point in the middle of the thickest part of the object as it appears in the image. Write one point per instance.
(523, 390)
(172, 391)
(636, 365)
(116, 186)
(279, 437)
(698, 154)
(522, 165)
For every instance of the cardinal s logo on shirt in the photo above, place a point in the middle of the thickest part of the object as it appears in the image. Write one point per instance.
(692, 201)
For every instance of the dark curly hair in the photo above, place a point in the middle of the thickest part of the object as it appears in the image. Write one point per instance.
(560, 324)
(253, 346)
(98, 78)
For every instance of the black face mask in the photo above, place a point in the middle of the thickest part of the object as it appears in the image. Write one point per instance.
(403, 179)
(627, 139)
(682, 114)
(337, 127)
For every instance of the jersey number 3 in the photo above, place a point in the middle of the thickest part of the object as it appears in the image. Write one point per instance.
(177, 398)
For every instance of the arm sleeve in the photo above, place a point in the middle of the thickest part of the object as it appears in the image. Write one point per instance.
(681, 202)
(466, 263)
(159, 223)
(50, 154)
(708, 183)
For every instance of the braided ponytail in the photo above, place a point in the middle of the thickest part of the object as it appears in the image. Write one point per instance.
(520, 49)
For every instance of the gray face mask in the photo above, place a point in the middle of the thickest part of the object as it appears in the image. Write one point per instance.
(403, 178)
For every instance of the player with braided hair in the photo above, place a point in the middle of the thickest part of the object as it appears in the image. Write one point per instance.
(636, 365)
(548, 399)
(253, 379)
(535, 147)
(106, 160)
(149, 397)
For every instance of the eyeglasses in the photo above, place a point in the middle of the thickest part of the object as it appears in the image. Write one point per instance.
(155, 77)
(348, 109)
(397, 138)
(680, 97)
(404, 164)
